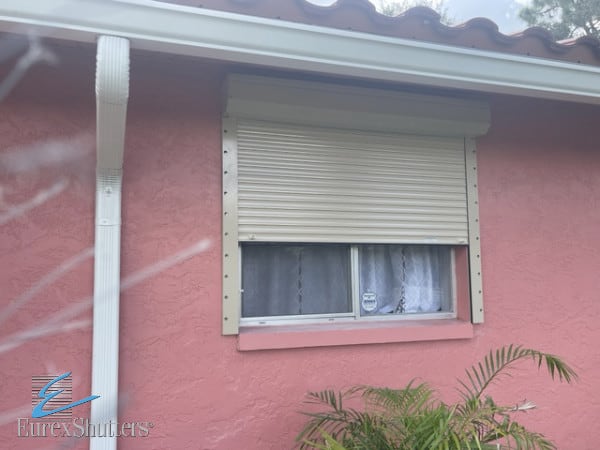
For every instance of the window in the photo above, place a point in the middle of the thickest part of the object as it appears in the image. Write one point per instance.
(344, 203)
(308, 281)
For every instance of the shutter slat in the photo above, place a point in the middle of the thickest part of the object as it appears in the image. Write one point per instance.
(374, 173)
(349, 182)
(301, 184)
(276, 217)
(283, 207)
(354, 235)
(257, 199)
(348, 152)
(349, 147)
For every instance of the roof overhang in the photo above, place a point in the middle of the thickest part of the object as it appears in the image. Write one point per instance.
(176, 29)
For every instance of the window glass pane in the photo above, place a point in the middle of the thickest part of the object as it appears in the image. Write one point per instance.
(398, 279)
(289, 279)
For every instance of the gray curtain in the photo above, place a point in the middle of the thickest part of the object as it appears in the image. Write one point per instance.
(295, 279)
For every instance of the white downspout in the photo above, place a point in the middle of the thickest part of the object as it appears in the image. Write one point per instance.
(112, 94)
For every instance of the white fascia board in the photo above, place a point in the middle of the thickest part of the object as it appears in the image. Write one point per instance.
(226, 36)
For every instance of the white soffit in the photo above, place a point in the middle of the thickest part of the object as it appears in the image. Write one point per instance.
(225, 36)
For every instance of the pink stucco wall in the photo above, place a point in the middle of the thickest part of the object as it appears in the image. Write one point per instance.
(51, 113)
(539, 185)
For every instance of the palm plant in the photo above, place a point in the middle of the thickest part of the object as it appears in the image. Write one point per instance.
(413, 418)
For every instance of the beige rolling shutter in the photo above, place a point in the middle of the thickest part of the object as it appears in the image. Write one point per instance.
(307, 161)
(307, 184)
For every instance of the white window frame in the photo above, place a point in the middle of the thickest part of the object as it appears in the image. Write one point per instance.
(260, 98)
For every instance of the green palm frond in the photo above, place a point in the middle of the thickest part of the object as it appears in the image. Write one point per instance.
(516, 436)
(412, 418)
(329, 443)
(481, 375)
(407, 401)
(336, 421)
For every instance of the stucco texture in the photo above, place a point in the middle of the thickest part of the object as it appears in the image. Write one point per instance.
(539, 188)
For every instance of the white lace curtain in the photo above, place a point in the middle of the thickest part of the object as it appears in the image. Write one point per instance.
(398, 279)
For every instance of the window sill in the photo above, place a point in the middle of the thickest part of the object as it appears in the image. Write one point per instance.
(301, 336)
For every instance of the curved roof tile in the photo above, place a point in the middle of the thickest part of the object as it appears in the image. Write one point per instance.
(419, 23)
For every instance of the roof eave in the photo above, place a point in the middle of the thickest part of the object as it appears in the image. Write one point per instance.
(232, 37)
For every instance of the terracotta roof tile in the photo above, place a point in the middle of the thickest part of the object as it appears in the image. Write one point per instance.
(419, 23)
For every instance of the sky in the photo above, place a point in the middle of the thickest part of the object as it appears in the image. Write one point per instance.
(503, 12)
